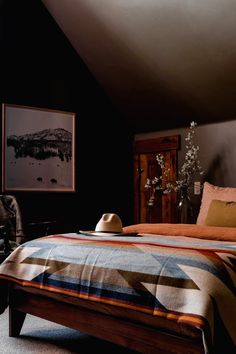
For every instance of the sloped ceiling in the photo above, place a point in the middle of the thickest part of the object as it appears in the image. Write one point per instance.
(162, 62)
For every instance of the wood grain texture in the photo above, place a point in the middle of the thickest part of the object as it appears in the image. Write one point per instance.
(146, 166)
(130, 334)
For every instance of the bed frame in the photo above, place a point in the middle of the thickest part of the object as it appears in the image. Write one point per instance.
(108, 323)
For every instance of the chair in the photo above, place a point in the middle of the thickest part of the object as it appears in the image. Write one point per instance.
(11, 230)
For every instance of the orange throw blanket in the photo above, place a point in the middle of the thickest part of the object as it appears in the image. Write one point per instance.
(190, 230)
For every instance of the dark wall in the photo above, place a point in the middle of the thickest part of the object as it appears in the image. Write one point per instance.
(41, 69)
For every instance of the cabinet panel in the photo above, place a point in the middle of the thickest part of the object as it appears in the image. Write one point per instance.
(146, 166)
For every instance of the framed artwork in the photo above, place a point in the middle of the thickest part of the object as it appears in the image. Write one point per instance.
(38, 147)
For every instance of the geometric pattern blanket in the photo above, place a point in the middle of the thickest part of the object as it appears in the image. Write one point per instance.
(187, 280)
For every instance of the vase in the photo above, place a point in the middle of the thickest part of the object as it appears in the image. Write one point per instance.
(185, 208)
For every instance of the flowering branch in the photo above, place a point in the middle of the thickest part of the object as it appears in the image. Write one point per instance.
(190, 167)
(160, 183)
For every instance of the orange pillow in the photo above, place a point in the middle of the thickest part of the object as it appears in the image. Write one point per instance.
(211, 192)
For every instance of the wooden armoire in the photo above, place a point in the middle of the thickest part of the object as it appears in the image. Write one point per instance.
(146, 166)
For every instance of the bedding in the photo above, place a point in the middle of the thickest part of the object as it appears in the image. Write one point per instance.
(188, 230)
(185, 279)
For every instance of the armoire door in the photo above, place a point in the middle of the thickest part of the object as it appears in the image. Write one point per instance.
(164, 208)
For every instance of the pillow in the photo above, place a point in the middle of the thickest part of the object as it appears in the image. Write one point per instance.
(211, 192)
(221, 213)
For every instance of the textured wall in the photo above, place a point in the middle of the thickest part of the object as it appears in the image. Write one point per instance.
(40, 68)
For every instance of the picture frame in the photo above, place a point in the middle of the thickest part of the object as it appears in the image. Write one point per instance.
(38, 149)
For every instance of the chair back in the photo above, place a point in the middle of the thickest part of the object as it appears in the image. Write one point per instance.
(10, 217)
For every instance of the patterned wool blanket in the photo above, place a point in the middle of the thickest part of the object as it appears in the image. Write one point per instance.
(184, 279)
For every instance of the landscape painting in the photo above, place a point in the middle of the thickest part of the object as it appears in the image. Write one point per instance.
(38, 149)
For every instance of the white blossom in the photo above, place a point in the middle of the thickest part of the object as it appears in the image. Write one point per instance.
(187, 172)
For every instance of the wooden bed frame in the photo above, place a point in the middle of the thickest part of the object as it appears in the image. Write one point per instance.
(106, 323)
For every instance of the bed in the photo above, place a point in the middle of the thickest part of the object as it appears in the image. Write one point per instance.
(160, 288)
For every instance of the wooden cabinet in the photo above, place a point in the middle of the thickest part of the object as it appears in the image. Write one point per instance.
(146, 166)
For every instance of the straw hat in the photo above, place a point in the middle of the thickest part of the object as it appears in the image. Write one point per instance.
(109, 225)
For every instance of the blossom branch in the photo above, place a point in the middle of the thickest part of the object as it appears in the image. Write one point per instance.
(190, 167)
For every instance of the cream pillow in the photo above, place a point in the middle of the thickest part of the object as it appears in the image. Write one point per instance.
(211, 192)
(221, 213)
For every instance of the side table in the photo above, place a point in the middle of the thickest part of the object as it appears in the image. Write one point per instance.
(40, 228)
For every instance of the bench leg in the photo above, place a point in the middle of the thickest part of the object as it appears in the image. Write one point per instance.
(16, 320)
